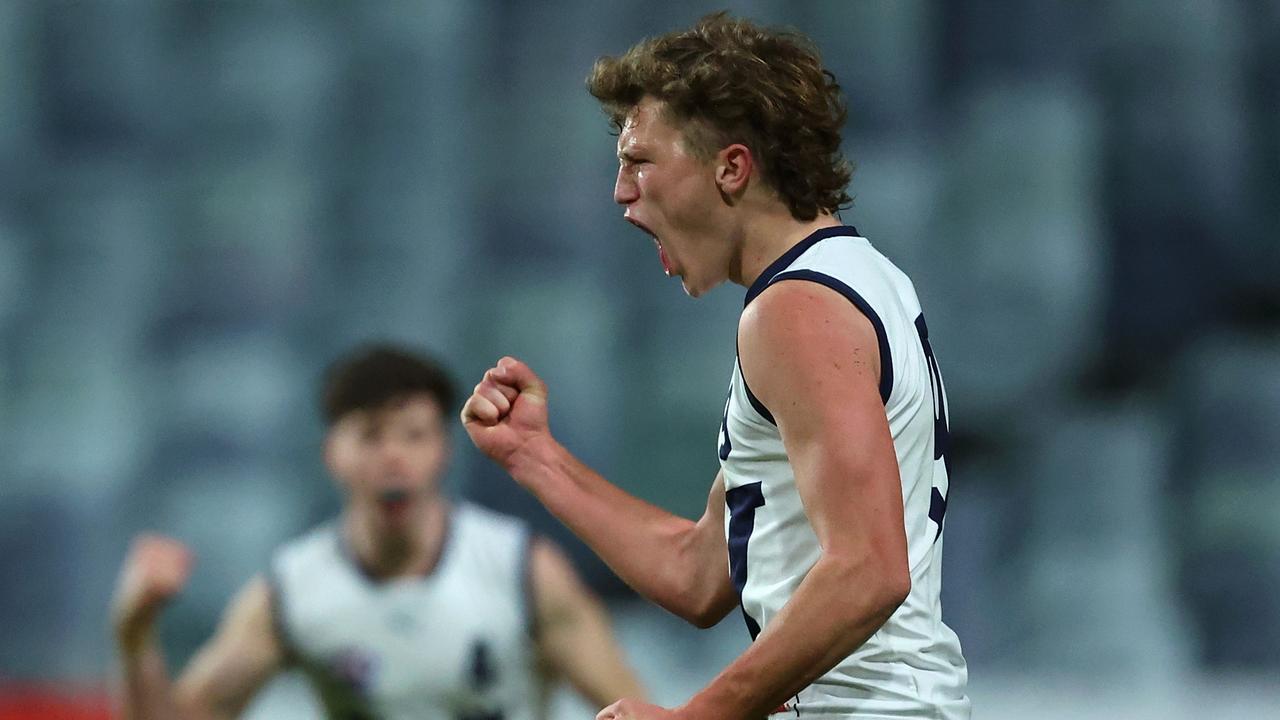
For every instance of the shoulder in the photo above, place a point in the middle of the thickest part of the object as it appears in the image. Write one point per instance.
(488, 543)
(253, 605)
(477, 518)
(802, 345)
(316, 547)
(803, 316)
(478, 529)
(549, 563)
(556, 588)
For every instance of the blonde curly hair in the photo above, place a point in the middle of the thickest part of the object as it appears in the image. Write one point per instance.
(727, 80)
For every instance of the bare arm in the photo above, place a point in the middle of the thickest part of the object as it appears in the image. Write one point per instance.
(684, 566)
(155, 570)
(243, 654)
(145, 692)
(225, 673)
(574, 637)
(813, 360)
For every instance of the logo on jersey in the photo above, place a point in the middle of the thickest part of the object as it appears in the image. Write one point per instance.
(354, 668)
(482, 672)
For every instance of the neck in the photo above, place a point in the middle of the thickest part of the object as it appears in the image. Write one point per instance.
(413, 550)
(769, 234)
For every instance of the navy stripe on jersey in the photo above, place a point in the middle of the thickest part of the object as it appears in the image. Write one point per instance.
(882, 338)
(755, 401)
(772, 273)
(742, 502)
(275, 589)
(790, 256)
(348, 552)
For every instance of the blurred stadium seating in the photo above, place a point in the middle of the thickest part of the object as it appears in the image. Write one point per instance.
(203, 201)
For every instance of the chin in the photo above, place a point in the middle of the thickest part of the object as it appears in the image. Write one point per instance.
(693, 289)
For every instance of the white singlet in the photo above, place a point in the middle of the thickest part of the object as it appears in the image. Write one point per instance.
(455, 644)
(912, 666)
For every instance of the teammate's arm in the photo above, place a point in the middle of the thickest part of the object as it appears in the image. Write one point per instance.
(573, 632)
(678, 564)
(226, 672)
(155, 570)
(243, 654)
(813, 360)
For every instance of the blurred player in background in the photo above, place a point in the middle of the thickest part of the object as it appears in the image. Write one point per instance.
(409, 605)
(834, 436)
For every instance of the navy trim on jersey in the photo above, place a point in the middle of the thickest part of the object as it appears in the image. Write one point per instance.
(741, 503)
(275, 592)
(755, 401)
(772, 272)
(790, 256)
(882, 338)
(347, 551)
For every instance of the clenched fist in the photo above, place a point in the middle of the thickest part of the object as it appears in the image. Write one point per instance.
(507, 411)
(155, 570)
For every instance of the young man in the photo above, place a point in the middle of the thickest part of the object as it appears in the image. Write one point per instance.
(408, 606)
(825, 522)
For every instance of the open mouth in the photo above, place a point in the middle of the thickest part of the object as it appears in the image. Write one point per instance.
(662, 254)
(394, 499)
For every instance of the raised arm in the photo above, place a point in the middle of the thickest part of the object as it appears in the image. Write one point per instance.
(678, 564)
(574, 637)
(226, 672)
(243, 654)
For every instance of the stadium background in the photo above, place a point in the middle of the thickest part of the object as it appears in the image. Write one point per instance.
(202, 202)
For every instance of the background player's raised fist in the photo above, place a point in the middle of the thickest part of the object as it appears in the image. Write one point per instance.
(155, 570)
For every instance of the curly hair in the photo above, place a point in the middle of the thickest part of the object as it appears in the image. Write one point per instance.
(728, 80)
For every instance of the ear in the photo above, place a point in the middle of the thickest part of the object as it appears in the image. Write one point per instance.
(734, 167)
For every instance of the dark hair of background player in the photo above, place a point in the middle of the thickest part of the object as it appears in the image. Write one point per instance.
(373, 376)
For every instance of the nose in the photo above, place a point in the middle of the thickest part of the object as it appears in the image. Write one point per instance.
(393, 457)
(625, 190)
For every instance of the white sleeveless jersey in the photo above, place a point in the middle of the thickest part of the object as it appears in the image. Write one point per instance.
(455, 644)
(912, 666)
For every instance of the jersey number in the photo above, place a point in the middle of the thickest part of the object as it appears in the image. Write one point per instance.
(941, 432)
(725, 445)
(742, 501)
